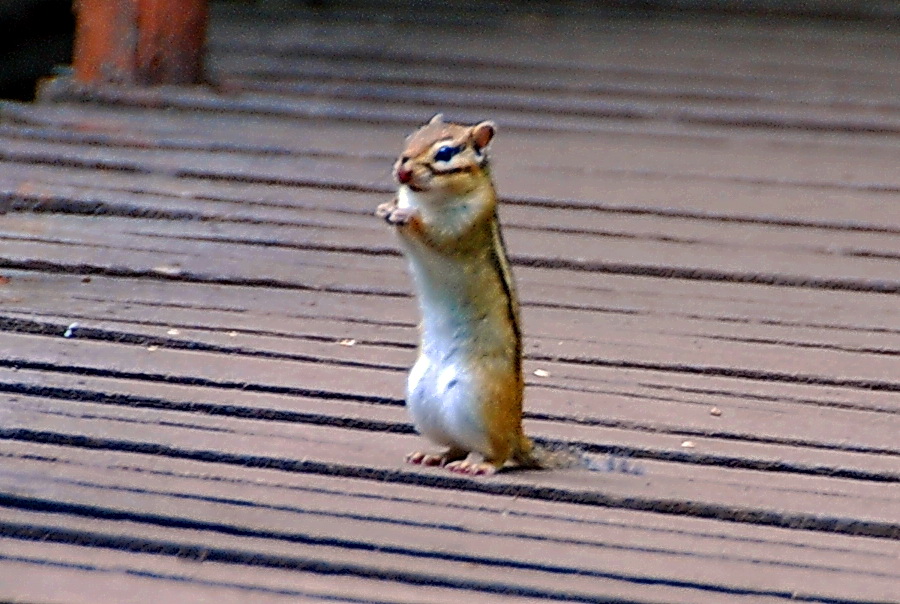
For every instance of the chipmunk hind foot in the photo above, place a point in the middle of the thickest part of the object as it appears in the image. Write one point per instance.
(436, 459)
(472, 468)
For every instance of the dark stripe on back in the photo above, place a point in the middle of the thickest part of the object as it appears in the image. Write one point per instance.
(501, 265)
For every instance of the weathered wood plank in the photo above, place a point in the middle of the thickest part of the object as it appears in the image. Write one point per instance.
(72, 574)
(723, 493)
(613, 169)
(300, 524)
(700, 258)
(385, 336)
(78, 247)
(260, 521)
(591, 376)
(708, 226)
(612, 253)
(262, 511)
(638, 439)
(333, 558)
(421, 507)
(828, 314)
(652, 531)
(242, 305)
(428, 506)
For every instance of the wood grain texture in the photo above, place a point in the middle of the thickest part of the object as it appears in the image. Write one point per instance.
(204, 331)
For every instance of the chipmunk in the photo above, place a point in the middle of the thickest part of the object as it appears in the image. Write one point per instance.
(466, 388)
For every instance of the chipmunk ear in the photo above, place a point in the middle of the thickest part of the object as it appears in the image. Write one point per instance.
(437, 119)
(482, 134)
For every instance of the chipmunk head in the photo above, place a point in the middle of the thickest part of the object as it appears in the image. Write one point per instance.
(445, 157)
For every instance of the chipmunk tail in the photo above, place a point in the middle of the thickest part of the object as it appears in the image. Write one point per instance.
(553, 456)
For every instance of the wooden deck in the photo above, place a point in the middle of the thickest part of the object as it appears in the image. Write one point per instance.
(205, 331)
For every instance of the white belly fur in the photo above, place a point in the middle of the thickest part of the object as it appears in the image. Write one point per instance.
(441, 400)
(444, 396)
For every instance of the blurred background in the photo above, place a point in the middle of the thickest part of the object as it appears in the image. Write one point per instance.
(37, 35)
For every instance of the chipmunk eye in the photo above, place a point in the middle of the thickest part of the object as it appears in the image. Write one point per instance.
(446, 153)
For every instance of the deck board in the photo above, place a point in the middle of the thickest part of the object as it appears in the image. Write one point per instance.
(204, 332)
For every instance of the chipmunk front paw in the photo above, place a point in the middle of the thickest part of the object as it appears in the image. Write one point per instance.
(394, 214)
(400, 216)
(386, 208)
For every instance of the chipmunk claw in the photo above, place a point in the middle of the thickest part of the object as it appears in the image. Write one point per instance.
(385, 208)
(471, 469)
(394, 214)
(426, 459)
(400, 216)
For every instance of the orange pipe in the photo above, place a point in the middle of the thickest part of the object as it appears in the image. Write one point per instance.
(140, 42)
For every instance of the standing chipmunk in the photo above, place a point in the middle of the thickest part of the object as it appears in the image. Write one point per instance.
(466, 388)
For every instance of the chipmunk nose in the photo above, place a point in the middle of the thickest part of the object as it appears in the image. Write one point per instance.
(404, 175)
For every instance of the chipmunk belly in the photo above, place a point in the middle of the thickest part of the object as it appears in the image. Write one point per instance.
(439, 395)
(447, 390)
